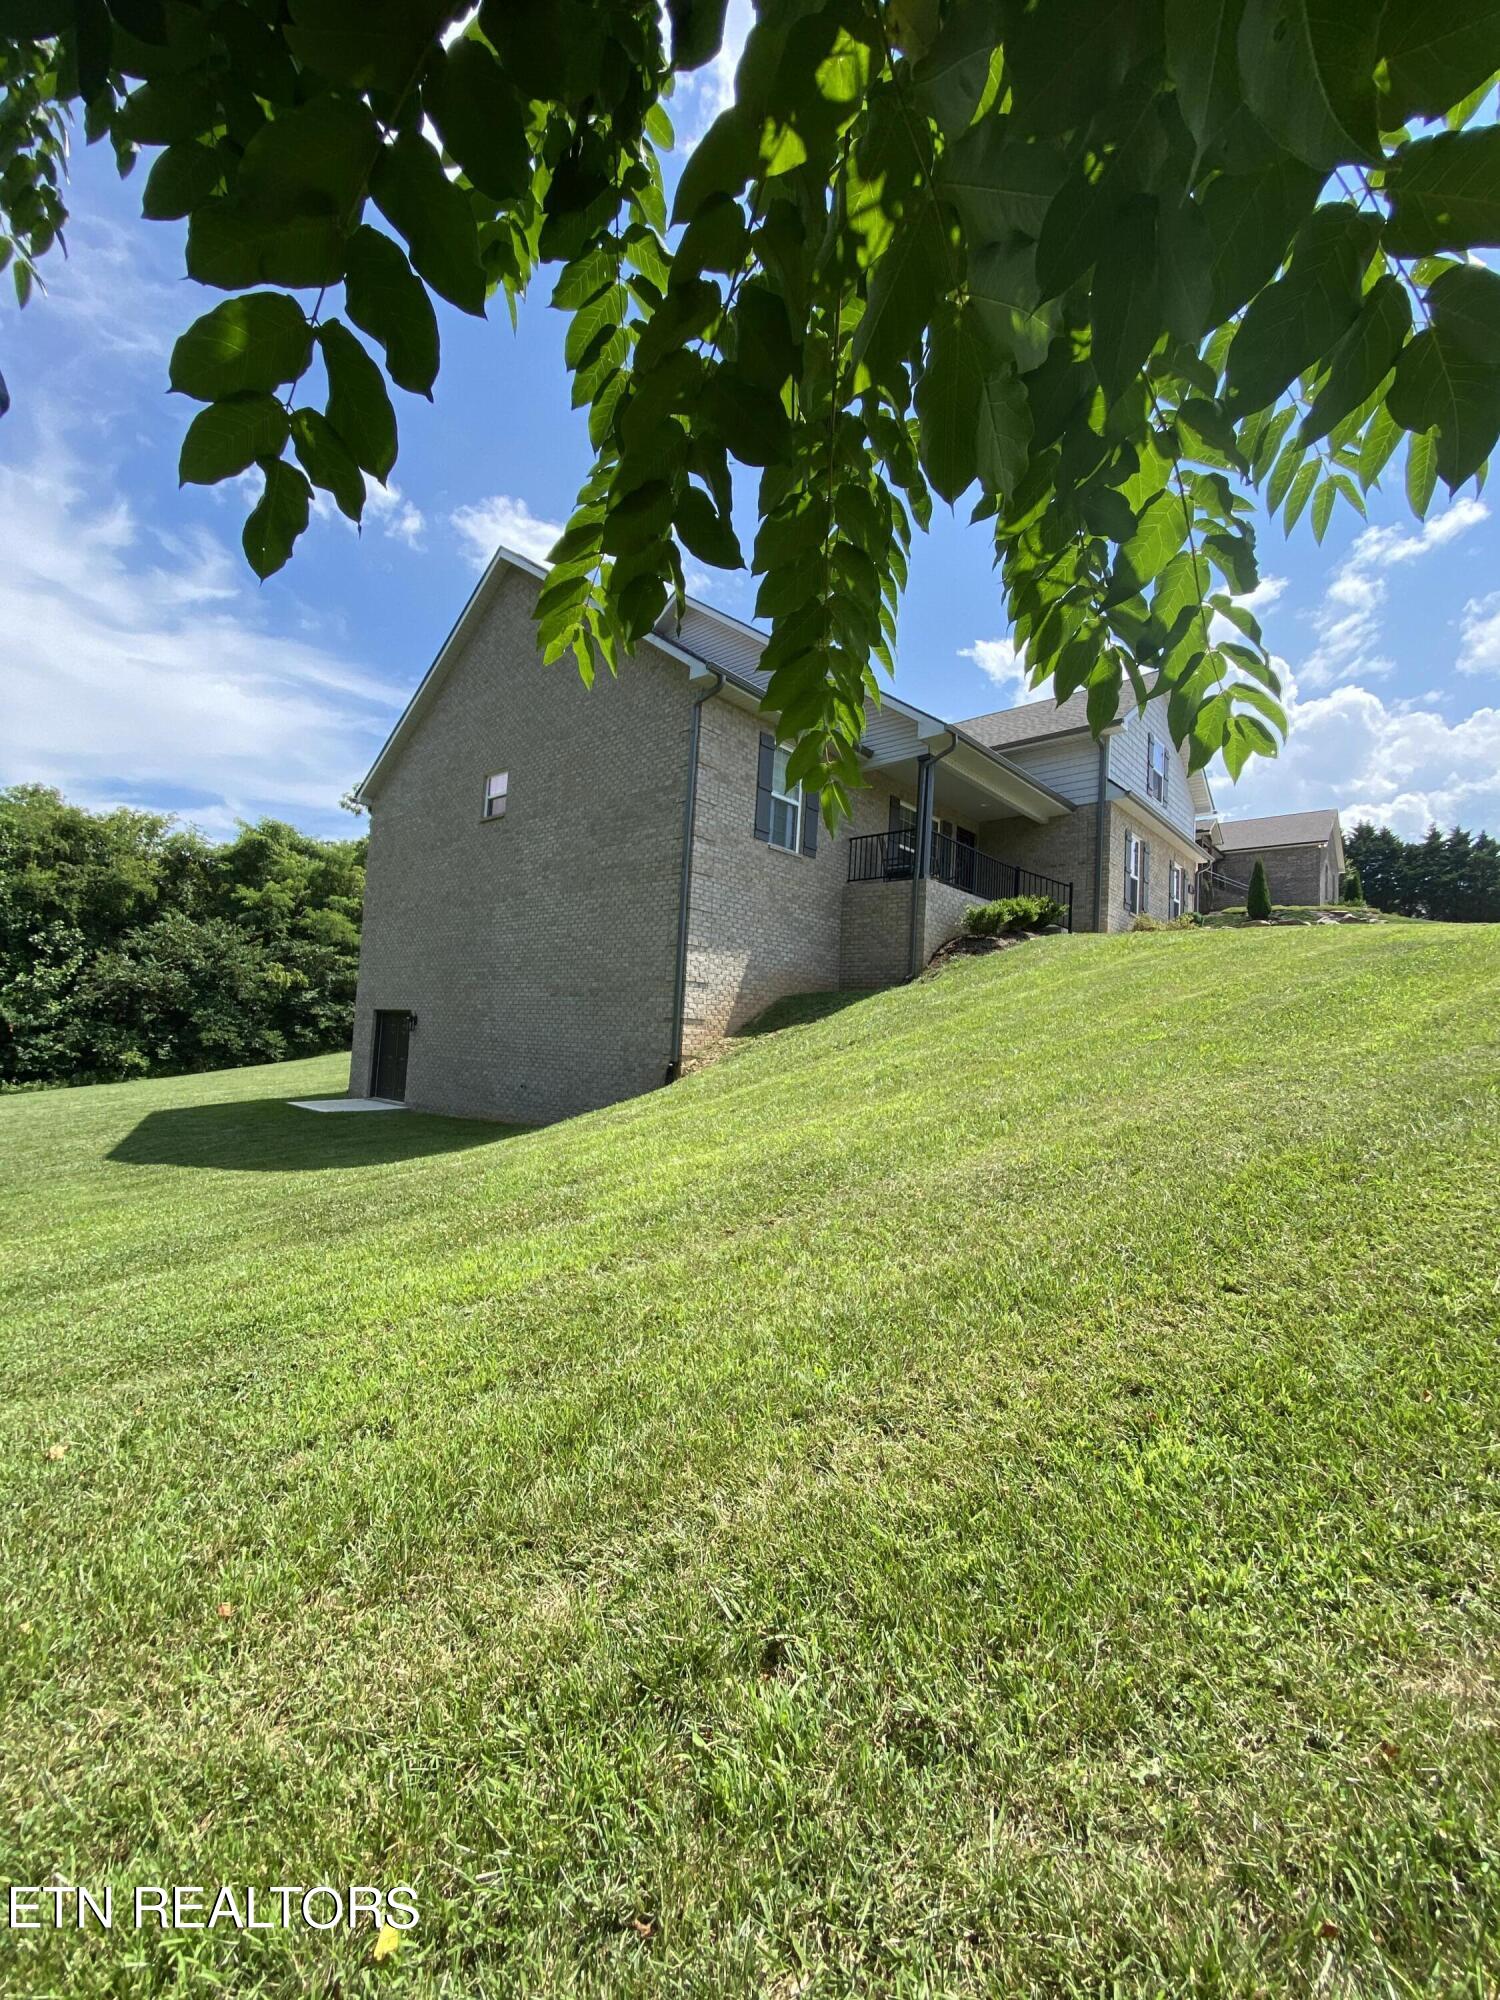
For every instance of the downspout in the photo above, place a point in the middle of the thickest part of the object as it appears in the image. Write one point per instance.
(685, 885)
(922, 847)
(1101, 821)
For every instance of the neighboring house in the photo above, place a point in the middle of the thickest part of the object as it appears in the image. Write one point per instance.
(570, 890)
(1303, 853)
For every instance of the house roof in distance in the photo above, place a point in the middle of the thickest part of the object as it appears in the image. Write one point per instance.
(1304, 829)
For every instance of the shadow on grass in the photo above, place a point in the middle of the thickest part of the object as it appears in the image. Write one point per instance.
(268, 1136)
(797, 1009)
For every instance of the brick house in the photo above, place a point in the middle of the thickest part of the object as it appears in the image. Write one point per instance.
(1303, 853)
(570, 890)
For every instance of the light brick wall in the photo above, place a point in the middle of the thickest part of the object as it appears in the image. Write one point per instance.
(875, 934)
(1302, 875)
(762, 923)
(1165, 847)
(1062, 848)
(942, 908)
(538, 951)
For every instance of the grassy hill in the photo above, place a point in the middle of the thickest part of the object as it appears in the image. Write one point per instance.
(992, 1490)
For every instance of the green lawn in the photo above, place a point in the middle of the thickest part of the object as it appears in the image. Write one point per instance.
(990, 1491)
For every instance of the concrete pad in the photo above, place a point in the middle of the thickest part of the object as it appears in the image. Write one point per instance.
(345, 1104)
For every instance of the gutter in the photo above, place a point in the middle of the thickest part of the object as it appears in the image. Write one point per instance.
(922, 844)
(1101, 821)
(685, 885)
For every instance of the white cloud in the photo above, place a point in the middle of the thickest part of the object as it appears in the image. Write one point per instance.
(141, 663)
(1480, 634)
(1400, 764)
(1348, 623)
(393, 513)
(503, 522)
(1000, 661)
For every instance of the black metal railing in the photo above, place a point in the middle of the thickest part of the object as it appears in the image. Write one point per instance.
(1218, 891)
(891, 857)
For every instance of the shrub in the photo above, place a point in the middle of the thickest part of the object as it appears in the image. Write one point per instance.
(1013, 913)
(1258, 901)
(1352, 889)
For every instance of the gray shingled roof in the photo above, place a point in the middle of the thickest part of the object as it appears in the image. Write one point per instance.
(1304, 829)
(1031, 721)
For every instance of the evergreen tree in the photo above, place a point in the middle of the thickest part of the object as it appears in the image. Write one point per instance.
(1352, 890)
(1258, 901)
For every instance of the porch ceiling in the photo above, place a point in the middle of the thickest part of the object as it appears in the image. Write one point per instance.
(971, 785)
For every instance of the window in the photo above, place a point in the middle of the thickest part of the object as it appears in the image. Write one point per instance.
(786, 805)
(1137, 877)
(495, 790)
(1156, 768)
(1176, 889)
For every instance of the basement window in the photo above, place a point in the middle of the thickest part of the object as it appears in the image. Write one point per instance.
(786, 805)
(495, 792)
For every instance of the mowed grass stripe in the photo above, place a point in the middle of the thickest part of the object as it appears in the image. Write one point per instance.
(988, 1490)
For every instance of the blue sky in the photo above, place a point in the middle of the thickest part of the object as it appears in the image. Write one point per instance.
(140, 661)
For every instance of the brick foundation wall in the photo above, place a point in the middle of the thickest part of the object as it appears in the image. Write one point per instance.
(1062, 848)
(538, 951)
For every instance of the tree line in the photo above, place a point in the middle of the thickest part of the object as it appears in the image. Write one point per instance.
(131, 946)
(1453, 878)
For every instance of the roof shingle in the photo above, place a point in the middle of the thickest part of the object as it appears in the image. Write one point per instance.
(1303, 829)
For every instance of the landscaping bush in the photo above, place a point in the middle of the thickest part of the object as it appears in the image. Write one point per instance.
(1146, 923)
(1352, 890)
(1258, 901)
(1012, 914)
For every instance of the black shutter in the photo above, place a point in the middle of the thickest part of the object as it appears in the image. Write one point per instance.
(809, 821)
(763, 776)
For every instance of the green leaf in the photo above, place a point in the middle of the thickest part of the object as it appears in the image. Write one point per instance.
(480, 119)
(1435, 55)
(1379, 441)
(167, 111)
(1308, 69)
(697, 31)
(715, 240)
(1126, 303)
(749, 418)
(1159, 533)
(704, 531)
(323, 457)
(315, 159)
(1002, 284)
(1445, 193)
(245, 344)
(1251, 218)
(228, 437)
(233, 247)
(1301, 491)
(1000, 186)
(1421, 472)
(1440, 387)
(358, 406)
(1465, 305)
(1364, 356)
(952, 78)
(1295, 321)
(721, 162)
(182, 177)
(435, 217)
(1203, 64)
(1233, 555)
(912, 272)
(1077, 229)
(277, 518)
(947, 397)
(384, 296)
(1004, 432)
(1185, 268)
(366, 44)
(1322, 510)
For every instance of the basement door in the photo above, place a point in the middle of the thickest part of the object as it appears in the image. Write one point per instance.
(392, 1041)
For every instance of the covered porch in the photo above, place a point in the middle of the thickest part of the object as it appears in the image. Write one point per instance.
(906, 891)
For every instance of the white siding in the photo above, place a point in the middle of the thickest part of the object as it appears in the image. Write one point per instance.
(734, 647)
(1127, 765)
(1069, 766)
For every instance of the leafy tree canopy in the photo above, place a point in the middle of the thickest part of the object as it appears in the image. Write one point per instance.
(1099, 264)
